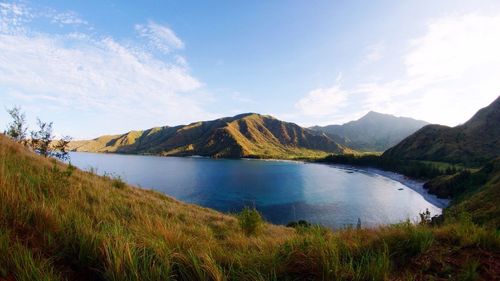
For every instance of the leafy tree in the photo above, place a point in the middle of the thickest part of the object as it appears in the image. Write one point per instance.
(41, 139)
(17, 128)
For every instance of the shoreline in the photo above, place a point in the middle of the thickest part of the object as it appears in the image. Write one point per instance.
(413, 184)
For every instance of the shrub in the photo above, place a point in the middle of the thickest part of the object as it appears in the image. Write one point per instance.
(300, 223)
(117, 182)
(250, 220)
(17, 128)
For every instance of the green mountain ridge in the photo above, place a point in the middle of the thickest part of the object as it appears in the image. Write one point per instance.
(473, 143)
(372, 132)
(245, 135)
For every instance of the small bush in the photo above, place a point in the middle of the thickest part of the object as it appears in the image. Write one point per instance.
(250, 220)
(300, 223)
(118, 182)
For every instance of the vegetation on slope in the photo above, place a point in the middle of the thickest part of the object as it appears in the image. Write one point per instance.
(245, 135)
(479, 194)
(472, 143)
(477, 143)
(475, 191)
(372, 132)
(411, 168)
(60, 223)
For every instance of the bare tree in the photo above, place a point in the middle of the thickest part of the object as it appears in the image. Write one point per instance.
(17, 128)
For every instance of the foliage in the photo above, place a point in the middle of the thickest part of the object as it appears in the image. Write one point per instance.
(415, 169)
(60, 148)
(425, 217)
(250, 220)
(62, 225)
(480, 196)
(42, 140)
(454, 185)
(17, 128)
(299, 224)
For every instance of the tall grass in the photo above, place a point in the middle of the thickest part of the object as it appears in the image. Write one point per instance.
(60, 223)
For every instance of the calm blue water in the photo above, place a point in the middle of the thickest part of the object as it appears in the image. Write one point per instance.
(282, 191)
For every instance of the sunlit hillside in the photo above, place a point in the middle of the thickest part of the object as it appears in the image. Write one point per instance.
(60, 223)
(245, 135)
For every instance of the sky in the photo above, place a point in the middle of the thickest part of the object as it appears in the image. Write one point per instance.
(108, 67)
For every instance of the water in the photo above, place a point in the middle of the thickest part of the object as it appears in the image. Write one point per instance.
(282, 191)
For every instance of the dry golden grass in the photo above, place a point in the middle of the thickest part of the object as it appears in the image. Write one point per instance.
(60, 224)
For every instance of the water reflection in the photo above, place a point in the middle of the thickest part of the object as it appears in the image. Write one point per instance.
(282, 191)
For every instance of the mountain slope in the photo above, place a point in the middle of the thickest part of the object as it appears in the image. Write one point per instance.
(373, 132)
(61, 223)
(473, 143)
(244, 135)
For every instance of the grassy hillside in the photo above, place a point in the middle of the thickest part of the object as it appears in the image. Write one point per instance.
(472, 143)
(477, 193)
(373, 132)
(245, 135)
(60, 223)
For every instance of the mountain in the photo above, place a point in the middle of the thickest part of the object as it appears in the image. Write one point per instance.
(472, 143)
(372, 132)
(244, 135)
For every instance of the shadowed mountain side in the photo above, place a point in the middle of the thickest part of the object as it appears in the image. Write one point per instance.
(373, 132)
(472, 143)
(244, 135)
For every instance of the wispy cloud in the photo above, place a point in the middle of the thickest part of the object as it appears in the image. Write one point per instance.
(374, 52)
(83, 72)
(448, 73)
(321, 102)
(65, 18)
(159, 36)
(13, 17)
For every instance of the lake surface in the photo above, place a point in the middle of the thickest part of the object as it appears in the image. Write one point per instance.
(282, 191)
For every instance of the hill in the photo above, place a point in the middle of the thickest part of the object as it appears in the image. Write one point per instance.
(244, 135)
(472, 143)
(372, 132)
(60, 223)
(477, 193)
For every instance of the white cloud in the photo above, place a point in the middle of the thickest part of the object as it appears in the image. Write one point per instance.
(160, 37)
(321, 102)
(85, 73)
(65, 18)
(448, 74)
(13, 17)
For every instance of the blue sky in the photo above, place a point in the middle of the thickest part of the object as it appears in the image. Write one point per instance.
(106, 67)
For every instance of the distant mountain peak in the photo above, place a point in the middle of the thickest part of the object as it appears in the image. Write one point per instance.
(372, 113)
(374, 131)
